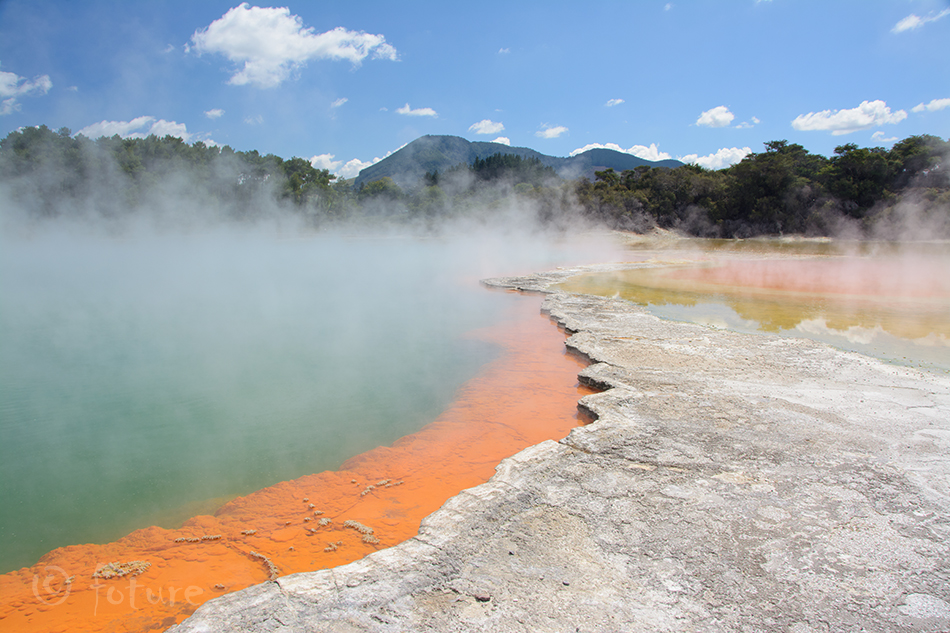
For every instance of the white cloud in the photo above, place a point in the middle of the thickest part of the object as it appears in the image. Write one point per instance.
(12, 87)
(417, 112)
(125, 129)
(254, 120)
(548, 131)
(668, 6)
(933, 106)
(716, 117)
(867, 115)
(139, 127)
(486, 126)
(879, 136)
(641, 151)
(504, 51)
(350, 169)
(271, 44)
(504, 140)
(613, 102)
(325, 161)
(912, 21)
(216, 113)
(169, 128)
(339, 102)
(720, 160)
(353, 167)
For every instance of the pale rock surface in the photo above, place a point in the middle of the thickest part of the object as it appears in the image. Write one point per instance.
(731, 482)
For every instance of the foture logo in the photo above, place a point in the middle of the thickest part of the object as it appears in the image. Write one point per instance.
(54, 587)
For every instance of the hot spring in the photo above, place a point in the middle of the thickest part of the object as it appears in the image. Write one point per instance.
(144, 380)
(148, 379)
(887, 300)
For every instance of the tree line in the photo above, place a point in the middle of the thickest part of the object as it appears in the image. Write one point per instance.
(52, 173)
(782, 190)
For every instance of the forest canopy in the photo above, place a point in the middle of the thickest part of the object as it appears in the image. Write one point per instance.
(860, 192)
(785, 189)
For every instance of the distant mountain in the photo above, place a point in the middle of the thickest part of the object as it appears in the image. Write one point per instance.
(408, 165)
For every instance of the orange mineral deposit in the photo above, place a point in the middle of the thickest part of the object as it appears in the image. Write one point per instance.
(156, 577)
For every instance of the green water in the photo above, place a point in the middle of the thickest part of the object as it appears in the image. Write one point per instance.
(144, 380)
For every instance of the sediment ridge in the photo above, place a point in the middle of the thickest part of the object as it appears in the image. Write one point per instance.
(730, 482)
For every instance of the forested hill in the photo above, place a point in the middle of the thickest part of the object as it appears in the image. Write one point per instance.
(902, 192)
(427, 154)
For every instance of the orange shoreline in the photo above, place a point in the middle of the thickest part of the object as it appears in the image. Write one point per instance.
(375, 500)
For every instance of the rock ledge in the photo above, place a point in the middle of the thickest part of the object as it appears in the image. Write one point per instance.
(731, 482)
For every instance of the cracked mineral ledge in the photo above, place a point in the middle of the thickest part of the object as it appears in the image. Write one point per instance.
(731, 482)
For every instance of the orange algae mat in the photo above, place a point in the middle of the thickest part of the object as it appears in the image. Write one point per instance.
(156, 577)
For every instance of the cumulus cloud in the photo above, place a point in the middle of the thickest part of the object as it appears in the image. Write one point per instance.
(169, 128)
(216, 113)
(548, 131)
(339, 102)
(139, 127)
(641, 151)
(504, 140)
(12, 87)
(867, 115)
(325, 161)
(406, 110)
(912, 21)
(720, 160)
(350, 169)
(613, 102)
(271, 44)
(933, 106)
(716, 117)
(880, 137)
(486, 126)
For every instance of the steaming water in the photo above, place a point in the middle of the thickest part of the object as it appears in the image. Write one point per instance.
(886, 300)
(145, 380)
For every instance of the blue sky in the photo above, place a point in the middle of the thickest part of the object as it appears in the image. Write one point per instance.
(347, 83)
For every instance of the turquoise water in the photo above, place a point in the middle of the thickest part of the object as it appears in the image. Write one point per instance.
(147, 379)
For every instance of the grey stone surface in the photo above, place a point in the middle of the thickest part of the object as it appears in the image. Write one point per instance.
(731, 482)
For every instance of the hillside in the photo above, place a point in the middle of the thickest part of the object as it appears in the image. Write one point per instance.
(437, 153)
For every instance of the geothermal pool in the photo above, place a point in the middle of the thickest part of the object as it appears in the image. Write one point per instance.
(890, 301)
(148, 379)
(145, 381)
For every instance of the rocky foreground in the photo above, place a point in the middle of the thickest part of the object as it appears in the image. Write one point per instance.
(731, 482)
